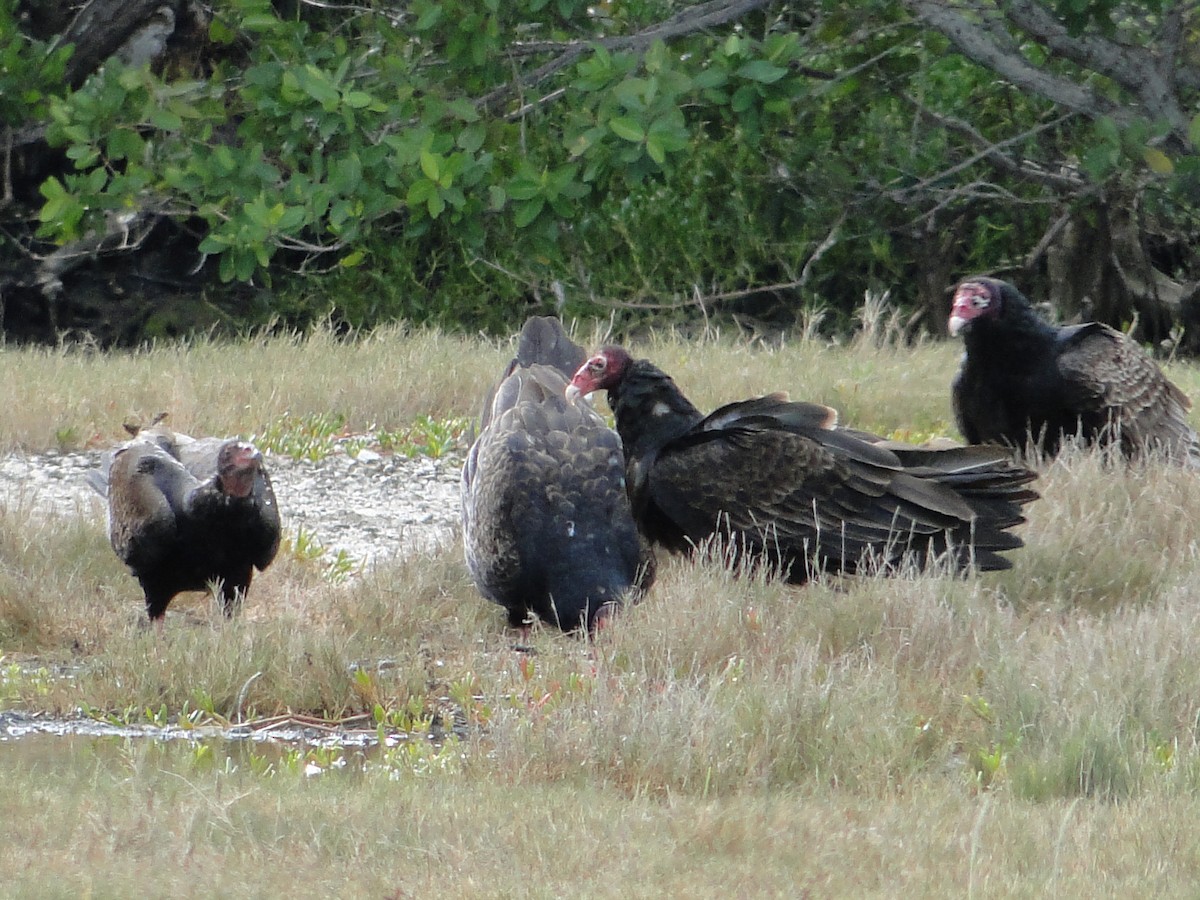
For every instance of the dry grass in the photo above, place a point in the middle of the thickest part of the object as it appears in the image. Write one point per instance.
(1026, 733)
(212, 387)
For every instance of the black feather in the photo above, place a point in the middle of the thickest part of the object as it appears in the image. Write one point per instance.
(175, 523)
(782, 484)
(547, 527)
(1026, 382)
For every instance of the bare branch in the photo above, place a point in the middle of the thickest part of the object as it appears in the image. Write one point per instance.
(977, 42)
(1135, 72)
(992, 153)
(822, 248)
(1172, 36)
(1047, 239)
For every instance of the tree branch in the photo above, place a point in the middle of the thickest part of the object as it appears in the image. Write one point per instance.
(976, 42)
(1136, 73)
(687, 21)
(992, 152)
(100, 29)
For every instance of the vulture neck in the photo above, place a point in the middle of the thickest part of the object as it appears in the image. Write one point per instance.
(650, 410)
(1021, 331)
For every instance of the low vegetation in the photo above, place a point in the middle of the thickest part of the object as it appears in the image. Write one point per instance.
(1028, 733)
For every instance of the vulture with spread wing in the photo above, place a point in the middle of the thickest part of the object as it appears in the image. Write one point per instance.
(184, 513)
(780, 482)
(1023, 380)
(547, 527)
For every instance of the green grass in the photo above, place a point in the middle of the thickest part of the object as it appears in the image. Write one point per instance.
(1024, 733)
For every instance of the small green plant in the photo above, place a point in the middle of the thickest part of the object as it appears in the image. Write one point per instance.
(424, 757)
(303, 545)
(426, 436)
(312, 437)
(340, 567)
(17, 681)
(1163, 750)
(202, 755)
(260, 764)
(66, 437)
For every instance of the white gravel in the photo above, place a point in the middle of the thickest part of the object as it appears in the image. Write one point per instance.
(372, 507)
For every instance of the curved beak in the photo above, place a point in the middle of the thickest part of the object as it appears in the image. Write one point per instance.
(573, 393)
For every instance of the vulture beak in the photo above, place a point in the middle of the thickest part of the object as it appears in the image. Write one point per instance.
(573, 393)
(956, 324)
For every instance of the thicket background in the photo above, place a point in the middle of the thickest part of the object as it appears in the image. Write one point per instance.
(172, 165)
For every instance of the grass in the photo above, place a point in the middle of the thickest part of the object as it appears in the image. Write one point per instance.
(1025, 733)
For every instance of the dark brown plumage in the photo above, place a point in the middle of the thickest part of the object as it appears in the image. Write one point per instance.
(547, 527)
(184, 513)
(1025, 380)
(782, 483)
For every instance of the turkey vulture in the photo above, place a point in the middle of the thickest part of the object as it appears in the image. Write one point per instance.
(183, 513)
(547, 527)
(782, 483)
(1025, 380)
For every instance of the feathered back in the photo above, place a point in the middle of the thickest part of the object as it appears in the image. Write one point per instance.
(542, 341)
(546, 522)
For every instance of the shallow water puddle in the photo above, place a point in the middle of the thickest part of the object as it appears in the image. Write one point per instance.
(266, 747)
(14, 725)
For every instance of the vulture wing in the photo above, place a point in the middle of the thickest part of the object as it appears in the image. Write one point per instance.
(828, 495)
(1105, 372)
(783, 483)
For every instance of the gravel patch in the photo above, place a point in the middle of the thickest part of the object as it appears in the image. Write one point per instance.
(371, 507)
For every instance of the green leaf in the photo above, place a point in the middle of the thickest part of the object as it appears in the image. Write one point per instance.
(744, 98)
(431, 165)
(1159, 162)
(463, 110)
(655, 150)
(419, 192)
(213, 243)
(260, 22)
(125, 143)
(289, 87)
(525, 187)
(656, 57)
(472, 137)
(318, 85)
(347, 174)
(357, 99)
(585, 141)
(711, 77)
(51, 188)
(220, 33)
(165, 120)
(1194, 132)
(627, 128)
(293, 217)
(762, 71)
(528, 211)
(83, 155)
(430, 17)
